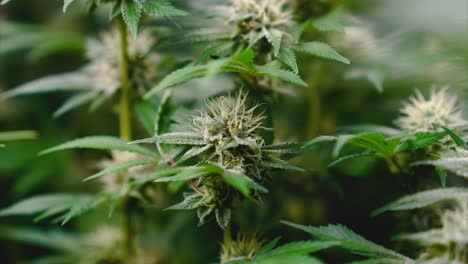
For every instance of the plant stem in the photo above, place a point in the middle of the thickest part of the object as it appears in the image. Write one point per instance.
(128, 229)
(227, 237)
(128, 225)
(392, 165)
(124, 111)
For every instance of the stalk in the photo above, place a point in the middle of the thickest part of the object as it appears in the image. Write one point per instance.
(226, 244)
(128, 225)
(124, 107)
(392, 165)
(227, 236)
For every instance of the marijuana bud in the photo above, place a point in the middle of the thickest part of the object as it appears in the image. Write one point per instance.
(106, 245)
(449, 242)
(243, 248)
(256, 20)
(104, 61)
(118, 181)
(232, 131)
(455, 226)
(232, 157)
(421, 114)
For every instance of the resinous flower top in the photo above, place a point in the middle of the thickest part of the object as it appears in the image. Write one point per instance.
(104, 60)
(106, 245)
(258, 19)
(440, 109)
(232, 160)
(448, 243)
(232, 130)
(118, 182)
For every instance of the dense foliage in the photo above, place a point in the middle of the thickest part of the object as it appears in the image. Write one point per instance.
(219, 131)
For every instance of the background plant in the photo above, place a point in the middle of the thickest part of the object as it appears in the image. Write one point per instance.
(349, 167)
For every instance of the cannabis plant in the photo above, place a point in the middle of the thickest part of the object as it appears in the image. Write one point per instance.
(212, 122)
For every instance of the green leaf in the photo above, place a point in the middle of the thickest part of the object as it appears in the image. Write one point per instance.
(114, 168)
(240, 182)
(299, 247)
(379, 261)
(161, 122)
(17, 135)
(277, 163)
(330, 22)
(420, 140)
(373, 141)
(320, 49)
(273, 70)
(193, 152)
(66, 3)
(177, 138)
(241, 62)
(161, 8)
(131, 13)
(423, 199)
(177, 77)
(194, 172)
(268, 247)
(190, 202)
(197, 38)
(37, 204)
(374, 76)
(457, 165)
(274, 37)
(456, 138)
(288, 57)
(59, 82)
(102, 143)
(443, 175)
(223, 217)
(284, 148)
(349, 240)
(245, 58)
(348, 157)
(74, 102)
(80, 206)
(384, 130)
(341, 141)
(55, 239)
(49, 205)
(427, 238)
(159, 173)
(291, 258)
(58, 43)
(146, 114)
(114, 11)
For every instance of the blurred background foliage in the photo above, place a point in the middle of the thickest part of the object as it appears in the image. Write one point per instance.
(394, 48)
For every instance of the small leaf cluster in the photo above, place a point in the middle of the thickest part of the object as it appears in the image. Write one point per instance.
(446, 244)
(257, 53)
(249, 251)
(63, 207)
(429, 142)
(100, 79)
(347, 239)
(132, 10)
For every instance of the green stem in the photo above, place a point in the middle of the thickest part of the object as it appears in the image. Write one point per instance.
(313, 129)
(128, 230)
(128, 225)
(227, 237)
(124, 107)
(392, 165)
